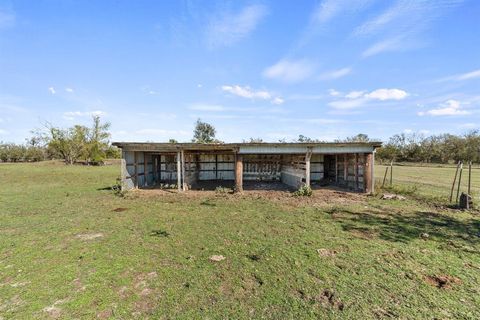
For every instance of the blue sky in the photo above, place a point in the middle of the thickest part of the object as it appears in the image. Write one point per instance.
(269, 69)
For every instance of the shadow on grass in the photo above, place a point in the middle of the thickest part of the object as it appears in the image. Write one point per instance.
(109, 188)
(398, 227)
(159, 233)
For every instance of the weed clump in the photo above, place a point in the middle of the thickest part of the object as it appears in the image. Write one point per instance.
(223, 190)
(118, 190)
(303, 191)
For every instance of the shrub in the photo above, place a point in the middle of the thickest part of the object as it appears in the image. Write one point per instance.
(303, 191)
(118, 190)
(223, 190)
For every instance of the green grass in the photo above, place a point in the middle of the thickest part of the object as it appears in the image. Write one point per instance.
(431, 182)
(151, 258)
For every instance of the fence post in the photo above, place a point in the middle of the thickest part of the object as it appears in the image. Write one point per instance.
(454, 180)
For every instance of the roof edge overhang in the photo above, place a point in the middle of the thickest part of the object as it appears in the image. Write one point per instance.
(288, 147)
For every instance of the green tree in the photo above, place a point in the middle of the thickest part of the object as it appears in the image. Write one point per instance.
(204, 133)
(69, 144)
(98, 143)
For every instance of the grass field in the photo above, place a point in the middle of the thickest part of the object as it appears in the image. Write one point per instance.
(430, 182)
(70, 249)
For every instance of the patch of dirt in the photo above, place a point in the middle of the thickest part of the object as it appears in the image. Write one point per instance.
(105, 314)
(89, 236)
(143, 307)
(11, 304)
(320, 197)
(120, 209)
(217, 258)
(53, 312)
(122, 292)
(366, 234)
(78, 284)
(326, 298)
(442, 281)
(327, 252)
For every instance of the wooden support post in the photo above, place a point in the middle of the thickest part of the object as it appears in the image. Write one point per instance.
(145, 170)
(367, 173)
(135, 165)
(356, 171)
(160, 168)
(454, 180)
(184, 185)
(459, 181)
(179, 172)
(336, 168)
(238, 173)
(345, 169)
(308, 156)
(216, 166)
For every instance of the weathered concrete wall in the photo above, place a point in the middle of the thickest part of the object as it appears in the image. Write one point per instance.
(293, 170)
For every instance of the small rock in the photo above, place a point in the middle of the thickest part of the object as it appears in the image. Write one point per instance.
(217, 258)
(391, 196)
(424, 235)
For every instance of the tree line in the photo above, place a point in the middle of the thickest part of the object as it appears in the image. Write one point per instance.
(90, 145)
(442, 148)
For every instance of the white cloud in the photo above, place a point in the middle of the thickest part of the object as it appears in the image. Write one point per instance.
(463, 76)
(227, 28)
(347, 104)
(335, 74)
(449, 108)
(328, 9)
(354, 94)
(71, 115)
(69, 90)
(52, 90)
(401, 24)
(289, 71)
(334, 93)
(247, 92)
(391, 44)
(387, 94)
(278, 100)
(3, 132)
(355, 99)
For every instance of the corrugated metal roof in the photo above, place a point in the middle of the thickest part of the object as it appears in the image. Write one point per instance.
(267, 147)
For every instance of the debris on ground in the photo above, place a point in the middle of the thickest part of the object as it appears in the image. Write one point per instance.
(326, 252)
(120, 209)
(89, 236)
(392, 196)
(424, 235)
(217, 258)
